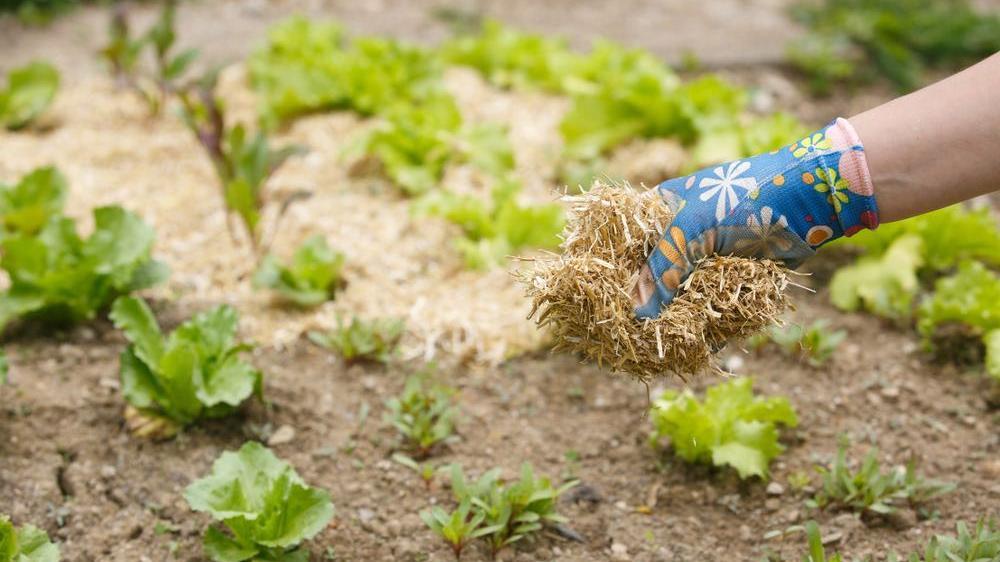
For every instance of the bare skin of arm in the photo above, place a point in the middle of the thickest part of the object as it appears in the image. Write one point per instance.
(937, 146)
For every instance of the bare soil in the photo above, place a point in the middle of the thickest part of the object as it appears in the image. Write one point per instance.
(67, 464)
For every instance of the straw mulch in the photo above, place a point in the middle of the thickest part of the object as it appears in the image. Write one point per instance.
(583, 295)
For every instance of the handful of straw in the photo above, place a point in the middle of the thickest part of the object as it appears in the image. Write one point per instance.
(583, 295)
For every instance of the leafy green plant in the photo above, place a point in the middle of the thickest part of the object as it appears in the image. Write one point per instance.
(981, 545)
(857, 41)
(30, 204)
(456, 528)
(123, 54)
(816, 343)
(817, 553)
(266, 506)
(869, 489)
(362, 340)
(311, 278)
(731, 427)
(970, 298)
(29, 92)
(243, 163)
(25, 544)
(885, 285)
(59, 278)
(413, 144)
(496, 228)
(308, 66)
(509, 58)
(424, 414)
(511, 511)
(195, 372)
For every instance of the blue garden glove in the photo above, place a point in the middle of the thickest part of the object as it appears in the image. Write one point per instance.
(781, 205)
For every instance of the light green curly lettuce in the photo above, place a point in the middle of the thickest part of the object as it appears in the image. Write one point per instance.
(266, 507)
(28, 205)
(57, 277)
(30, 90)
(195, 372)
(730, 427)
(311, 278)
(25, 544)
(885, 284)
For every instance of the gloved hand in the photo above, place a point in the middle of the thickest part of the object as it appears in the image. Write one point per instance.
(781, 205)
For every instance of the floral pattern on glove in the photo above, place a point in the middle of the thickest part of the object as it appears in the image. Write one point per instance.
(780, 205)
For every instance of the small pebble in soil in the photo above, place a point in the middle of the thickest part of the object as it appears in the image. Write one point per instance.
(775, 489)
(619, 551)
(282, 435)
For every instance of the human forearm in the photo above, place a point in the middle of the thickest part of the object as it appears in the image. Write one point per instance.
(937, 146)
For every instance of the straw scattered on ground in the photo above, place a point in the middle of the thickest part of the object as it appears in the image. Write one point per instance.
(583, 295)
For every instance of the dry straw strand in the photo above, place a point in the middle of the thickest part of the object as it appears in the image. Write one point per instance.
(582, 295)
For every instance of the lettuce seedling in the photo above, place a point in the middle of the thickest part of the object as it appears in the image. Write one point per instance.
(30, 90)
(884, 285)
(25, 544)
(511, 511)
(195, 372)
(815, 344)
(869, 489)
(265, 505)
(456, 528)
(362, 340)
(731, 427)
(412, 144)
(59, 278)
(424, 414)
(509, 58)
(496, 228)
(310, 279)
(243, 164)
(969, 299)
(32, 202)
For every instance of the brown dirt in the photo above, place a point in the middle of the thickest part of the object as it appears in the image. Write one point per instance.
(67, 465)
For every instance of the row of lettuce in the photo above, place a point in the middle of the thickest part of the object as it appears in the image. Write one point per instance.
(937, 271)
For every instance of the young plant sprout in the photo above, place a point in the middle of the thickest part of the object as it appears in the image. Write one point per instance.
(511, 511)
(310, 279)
(814, 344)
(123, 54)
(869, 490)
(243, 163)
(425, 470)
(458, 527)
(423, 414)
(362, 340)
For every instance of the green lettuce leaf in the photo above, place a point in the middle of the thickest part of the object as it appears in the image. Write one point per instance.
(884, 285)
(262, 501)
(992, 340)
(28, 206)
(27, 544)
(312, 277)
(731, 427)
(59, 278)
(193, 373)
(30, 89)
